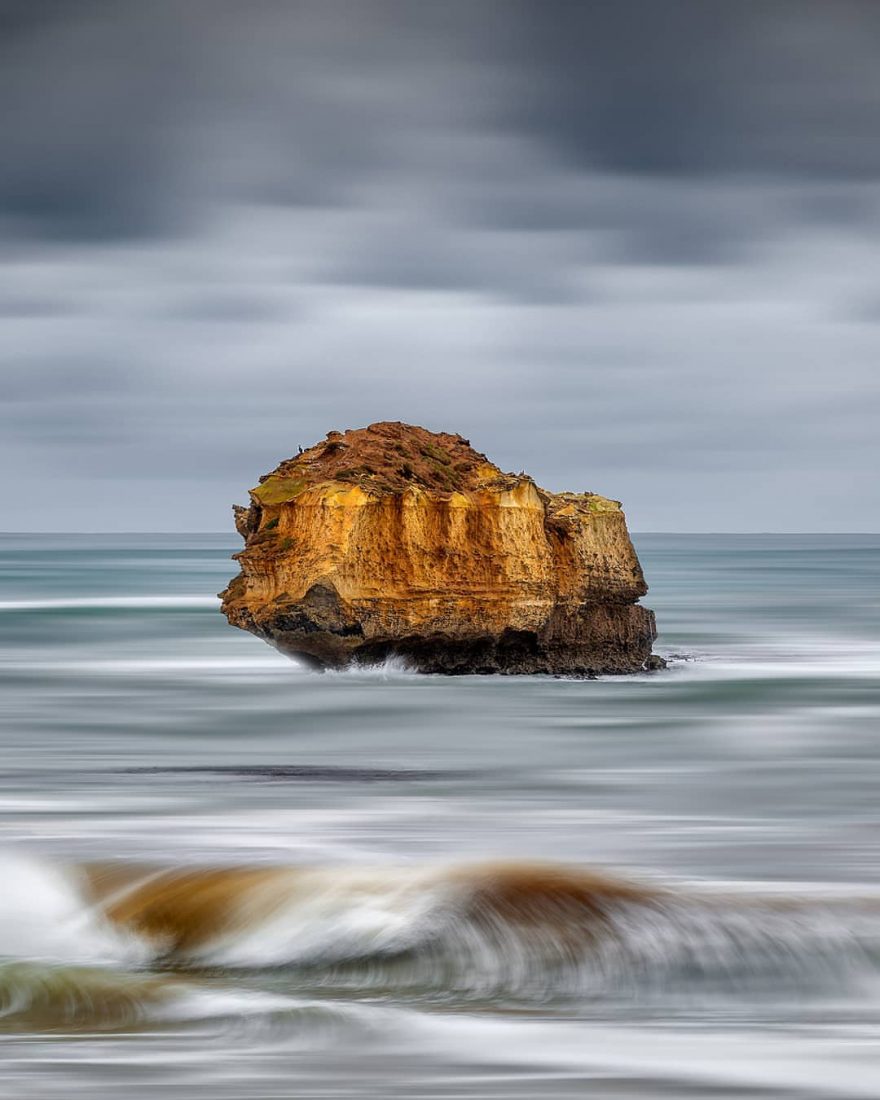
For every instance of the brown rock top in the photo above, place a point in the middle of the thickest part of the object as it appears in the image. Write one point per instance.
(386, 457)
(393, 540)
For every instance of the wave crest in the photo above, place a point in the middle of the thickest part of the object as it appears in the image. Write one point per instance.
(535, 929)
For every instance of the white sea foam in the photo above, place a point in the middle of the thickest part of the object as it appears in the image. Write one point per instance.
(389, 668)
(268, 662)
(116, 603)
(330, 916)
(43, 916)
(812, 1064)
(788, 657)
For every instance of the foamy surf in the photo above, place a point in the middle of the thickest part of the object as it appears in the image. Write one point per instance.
(389, 668)
(783, 657)
(169, 666)
(45, 916)
(113, 603)
(664, 1061)
(528, 929)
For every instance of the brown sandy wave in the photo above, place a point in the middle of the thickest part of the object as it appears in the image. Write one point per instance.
(183, 911)
(514, 924)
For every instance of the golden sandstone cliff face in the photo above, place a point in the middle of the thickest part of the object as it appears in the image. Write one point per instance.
(395, 541)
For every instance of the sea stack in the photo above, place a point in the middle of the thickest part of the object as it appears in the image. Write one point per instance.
(393, 541)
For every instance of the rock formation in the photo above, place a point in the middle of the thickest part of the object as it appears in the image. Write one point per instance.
(395, 541)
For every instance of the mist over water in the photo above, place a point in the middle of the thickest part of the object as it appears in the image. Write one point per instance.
(225, 875)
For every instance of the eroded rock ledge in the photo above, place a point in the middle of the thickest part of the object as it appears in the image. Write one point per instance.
(395, 541)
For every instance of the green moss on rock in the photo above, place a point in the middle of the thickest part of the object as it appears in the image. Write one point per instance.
(279, 488)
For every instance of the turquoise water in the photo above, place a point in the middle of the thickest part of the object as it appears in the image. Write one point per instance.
(139, 729)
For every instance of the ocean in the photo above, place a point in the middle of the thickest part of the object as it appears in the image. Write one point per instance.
(225, 876)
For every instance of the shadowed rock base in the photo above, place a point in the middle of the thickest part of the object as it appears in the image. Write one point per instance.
(604, 639)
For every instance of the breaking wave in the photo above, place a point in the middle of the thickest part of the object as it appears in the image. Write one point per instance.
(529, 929)
(120, 942)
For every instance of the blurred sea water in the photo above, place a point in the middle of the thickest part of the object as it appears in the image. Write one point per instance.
(139, 730)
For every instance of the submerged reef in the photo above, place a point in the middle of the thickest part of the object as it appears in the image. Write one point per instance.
(393, 541)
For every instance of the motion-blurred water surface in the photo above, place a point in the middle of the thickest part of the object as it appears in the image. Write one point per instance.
(224, 876)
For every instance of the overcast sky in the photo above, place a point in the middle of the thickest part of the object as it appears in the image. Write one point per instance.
(629, 247)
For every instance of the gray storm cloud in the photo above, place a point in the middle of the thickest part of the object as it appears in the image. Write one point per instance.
(628, 247)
